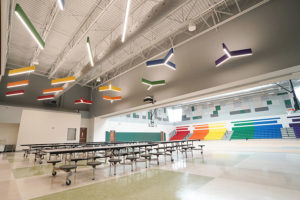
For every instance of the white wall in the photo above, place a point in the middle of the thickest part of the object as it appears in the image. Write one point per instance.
(101, 125)
(39, 126)
(85, 123)
(8, 133)
(10, 114)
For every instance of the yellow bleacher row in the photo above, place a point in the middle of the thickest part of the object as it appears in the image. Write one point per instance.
(215, 134)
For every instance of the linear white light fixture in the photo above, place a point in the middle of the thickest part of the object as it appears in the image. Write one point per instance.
(88, 45)
(29, 26)
(126, 20)
(61, 4)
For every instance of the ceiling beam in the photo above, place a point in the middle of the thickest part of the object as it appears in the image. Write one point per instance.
(87, 24)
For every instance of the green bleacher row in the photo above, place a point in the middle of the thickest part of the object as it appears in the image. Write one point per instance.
(252, 133)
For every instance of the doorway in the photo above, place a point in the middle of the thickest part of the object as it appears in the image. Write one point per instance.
(83, 135)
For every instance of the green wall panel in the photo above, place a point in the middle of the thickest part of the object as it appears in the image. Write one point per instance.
(193, 108)
(135, 136)
(197, 117)
(269, 102)
(288, 103)
(282, 93)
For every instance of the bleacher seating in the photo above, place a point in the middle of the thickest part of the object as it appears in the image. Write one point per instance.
(180, 135)
(214, 131)
(296, 127)
(257, 132)
(199, 134)
(215, 134)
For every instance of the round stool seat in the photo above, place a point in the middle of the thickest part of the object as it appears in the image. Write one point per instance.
(53, 161)
(192, 147)
(146, 155)
(135, 152)
(185, 148)
(67, 167)
(97, 157)
(170, 150)
(94, 163)
(108, 154)
(157, 153)
(77, 159)
(123, 154)
(198, 149)
(160, 147)
(132, 158)
(115, 160)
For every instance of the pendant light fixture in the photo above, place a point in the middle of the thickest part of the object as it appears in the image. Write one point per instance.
(165, 61)
(14, 93)
(29, 26)
(112, 99)
(126, 20)
(63, 80)
(61, 4)
(23, 70)
(46, 97)
(82, 101)
(89, 49)
(153, 83)
(18, 84)
(53, 90)
(232, 54)
(109, 88)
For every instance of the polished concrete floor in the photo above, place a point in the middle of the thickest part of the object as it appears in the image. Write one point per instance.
(253, 169)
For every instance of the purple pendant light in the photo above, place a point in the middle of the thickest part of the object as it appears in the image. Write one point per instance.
(232, 54)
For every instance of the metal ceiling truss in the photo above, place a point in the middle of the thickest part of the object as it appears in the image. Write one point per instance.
(213, 17)
(87, 24)
(46, 30)
(152, 42)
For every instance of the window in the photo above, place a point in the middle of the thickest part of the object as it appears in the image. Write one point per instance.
(175, 115)
(71, 134)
